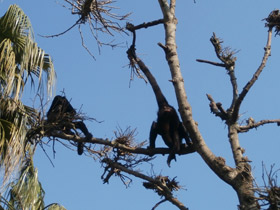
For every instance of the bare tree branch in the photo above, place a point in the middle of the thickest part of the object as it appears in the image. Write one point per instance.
(219, 167)
(131, 27)
(269, 194)
(99, 17)
(243, 186)
(217, 108)
(252, 124)
(161, 186)
(115, 144)
(211, 62)
(254, 78)
(228, 62)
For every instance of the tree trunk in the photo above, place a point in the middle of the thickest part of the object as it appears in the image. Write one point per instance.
(244, 187)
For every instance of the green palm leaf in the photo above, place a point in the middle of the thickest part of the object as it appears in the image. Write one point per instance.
(15, 120)
(20, 57)
(27, 192)
(20, 60)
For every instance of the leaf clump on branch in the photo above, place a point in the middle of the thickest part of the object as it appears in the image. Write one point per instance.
(273, 20)
(269, 195)
(99, 16)
(172, 185)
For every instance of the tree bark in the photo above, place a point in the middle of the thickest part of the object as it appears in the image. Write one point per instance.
(239, 178)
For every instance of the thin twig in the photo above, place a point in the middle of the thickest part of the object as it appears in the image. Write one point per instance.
(41, 145)
(211, 62)
(83, 43)
(59, 34)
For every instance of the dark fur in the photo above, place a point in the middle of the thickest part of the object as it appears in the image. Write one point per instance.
(168, 124)
(62, 111)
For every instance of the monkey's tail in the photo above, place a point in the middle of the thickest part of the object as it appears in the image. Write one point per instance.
(80, 149)
(171, 157)
(161, 100)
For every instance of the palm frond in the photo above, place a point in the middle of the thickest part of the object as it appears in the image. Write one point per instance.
(15, 120)
(20, 57)
(27, 192)
(20, 60)
(55, 206)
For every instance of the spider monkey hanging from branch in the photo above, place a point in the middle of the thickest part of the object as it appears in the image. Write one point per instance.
(168, 124)
(63, 115)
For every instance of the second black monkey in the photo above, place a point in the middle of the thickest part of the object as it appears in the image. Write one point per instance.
(62, 111)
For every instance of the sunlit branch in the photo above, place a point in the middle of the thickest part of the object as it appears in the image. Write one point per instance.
(115, 144)
(217, 108)
(228, 62)
(215, 163)
(252, 124)
(254, 78)
(172, 6)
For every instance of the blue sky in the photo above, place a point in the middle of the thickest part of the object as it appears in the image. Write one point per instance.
(102, 89)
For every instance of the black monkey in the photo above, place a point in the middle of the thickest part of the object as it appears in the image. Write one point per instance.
(168, 124)
(62, 111)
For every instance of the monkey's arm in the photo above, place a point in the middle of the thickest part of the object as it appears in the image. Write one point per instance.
(81, 125)
(153, 135)
(184, 134)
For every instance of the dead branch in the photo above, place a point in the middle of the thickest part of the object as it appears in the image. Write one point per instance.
(123, 143)
(170, 48)
(115, 144)
(217, 108)
(256, 75)
(131, 27)
(273, 20)
(98, 12)
(226, 56)
(172, 185)
(162, 184)
(252, 124)
(211, 62)
(269, 194)
(99, 17)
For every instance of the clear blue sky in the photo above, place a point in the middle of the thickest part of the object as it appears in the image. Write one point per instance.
(101, 87)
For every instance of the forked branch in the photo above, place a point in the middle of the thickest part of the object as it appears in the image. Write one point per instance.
(225, 55)
(256, 75)
(170, 48)
(217, 108)
(163, 185)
